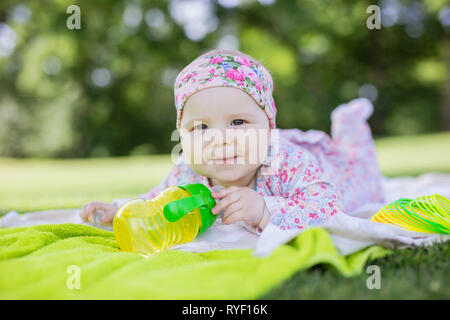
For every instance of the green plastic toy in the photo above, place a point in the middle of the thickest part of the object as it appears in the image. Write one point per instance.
(430, 214)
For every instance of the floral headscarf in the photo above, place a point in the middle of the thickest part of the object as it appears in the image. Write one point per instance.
(223, 69)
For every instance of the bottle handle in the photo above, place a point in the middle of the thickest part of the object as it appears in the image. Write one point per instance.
(177, 209)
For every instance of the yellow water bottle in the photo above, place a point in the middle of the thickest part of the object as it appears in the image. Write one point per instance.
(177, 215)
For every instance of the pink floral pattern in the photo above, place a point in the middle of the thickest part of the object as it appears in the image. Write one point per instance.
(312, 176)
(230, 71)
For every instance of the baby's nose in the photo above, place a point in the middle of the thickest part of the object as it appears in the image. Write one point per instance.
(228, 138)
(222, 137)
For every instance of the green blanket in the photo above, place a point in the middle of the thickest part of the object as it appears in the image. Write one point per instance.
(70, 261)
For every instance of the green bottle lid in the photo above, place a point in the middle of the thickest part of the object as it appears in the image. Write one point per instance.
(200, 198)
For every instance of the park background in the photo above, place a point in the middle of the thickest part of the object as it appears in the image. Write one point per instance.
(88, 114)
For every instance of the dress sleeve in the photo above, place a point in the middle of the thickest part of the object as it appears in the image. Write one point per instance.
(304, 199)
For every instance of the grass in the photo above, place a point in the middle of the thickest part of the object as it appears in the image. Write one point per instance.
(413, 273)
(417, 273)
(412, 155)
(38, 184)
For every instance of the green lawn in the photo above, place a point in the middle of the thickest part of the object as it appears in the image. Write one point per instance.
(37, 184)
(412, 155)
(416, 273)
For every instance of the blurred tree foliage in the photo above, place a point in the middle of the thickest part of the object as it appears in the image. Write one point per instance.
(107, 89)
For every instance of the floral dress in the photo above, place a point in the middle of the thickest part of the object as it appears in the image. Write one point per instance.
(311, 176)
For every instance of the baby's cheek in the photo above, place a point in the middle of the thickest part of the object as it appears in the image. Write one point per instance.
(253, 148)
(193, 150)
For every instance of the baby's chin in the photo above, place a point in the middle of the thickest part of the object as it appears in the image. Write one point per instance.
(226, 173)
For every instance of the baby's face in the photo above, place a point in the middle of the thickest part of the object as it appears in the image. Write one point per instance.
(224, 134)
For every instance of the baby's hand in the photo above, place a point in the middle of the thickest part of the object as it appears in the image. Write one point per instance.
(241, 204)
(89, 209)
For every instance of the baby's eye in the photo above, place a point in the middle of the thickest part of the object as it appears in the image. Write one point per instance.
(237, 122)
(201, 126)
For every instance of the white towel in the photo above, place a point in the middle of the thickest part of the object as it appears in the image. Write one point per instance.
(349, 232)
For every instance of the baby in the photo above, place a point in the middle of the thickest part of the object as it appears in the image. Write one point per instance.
(289, 178)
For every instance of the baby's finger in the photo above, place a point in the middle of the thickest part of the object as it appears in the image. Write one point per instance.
(84, 209)
(222, 193)
(85, 205)
(90, 208)
(108, 216)
(103, 206)
(87, 211)
(225, 202)
(233, 213)
(103, 212)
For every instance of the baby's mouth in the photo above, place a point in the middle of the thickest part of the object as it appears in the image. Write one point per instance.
(229, 160)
